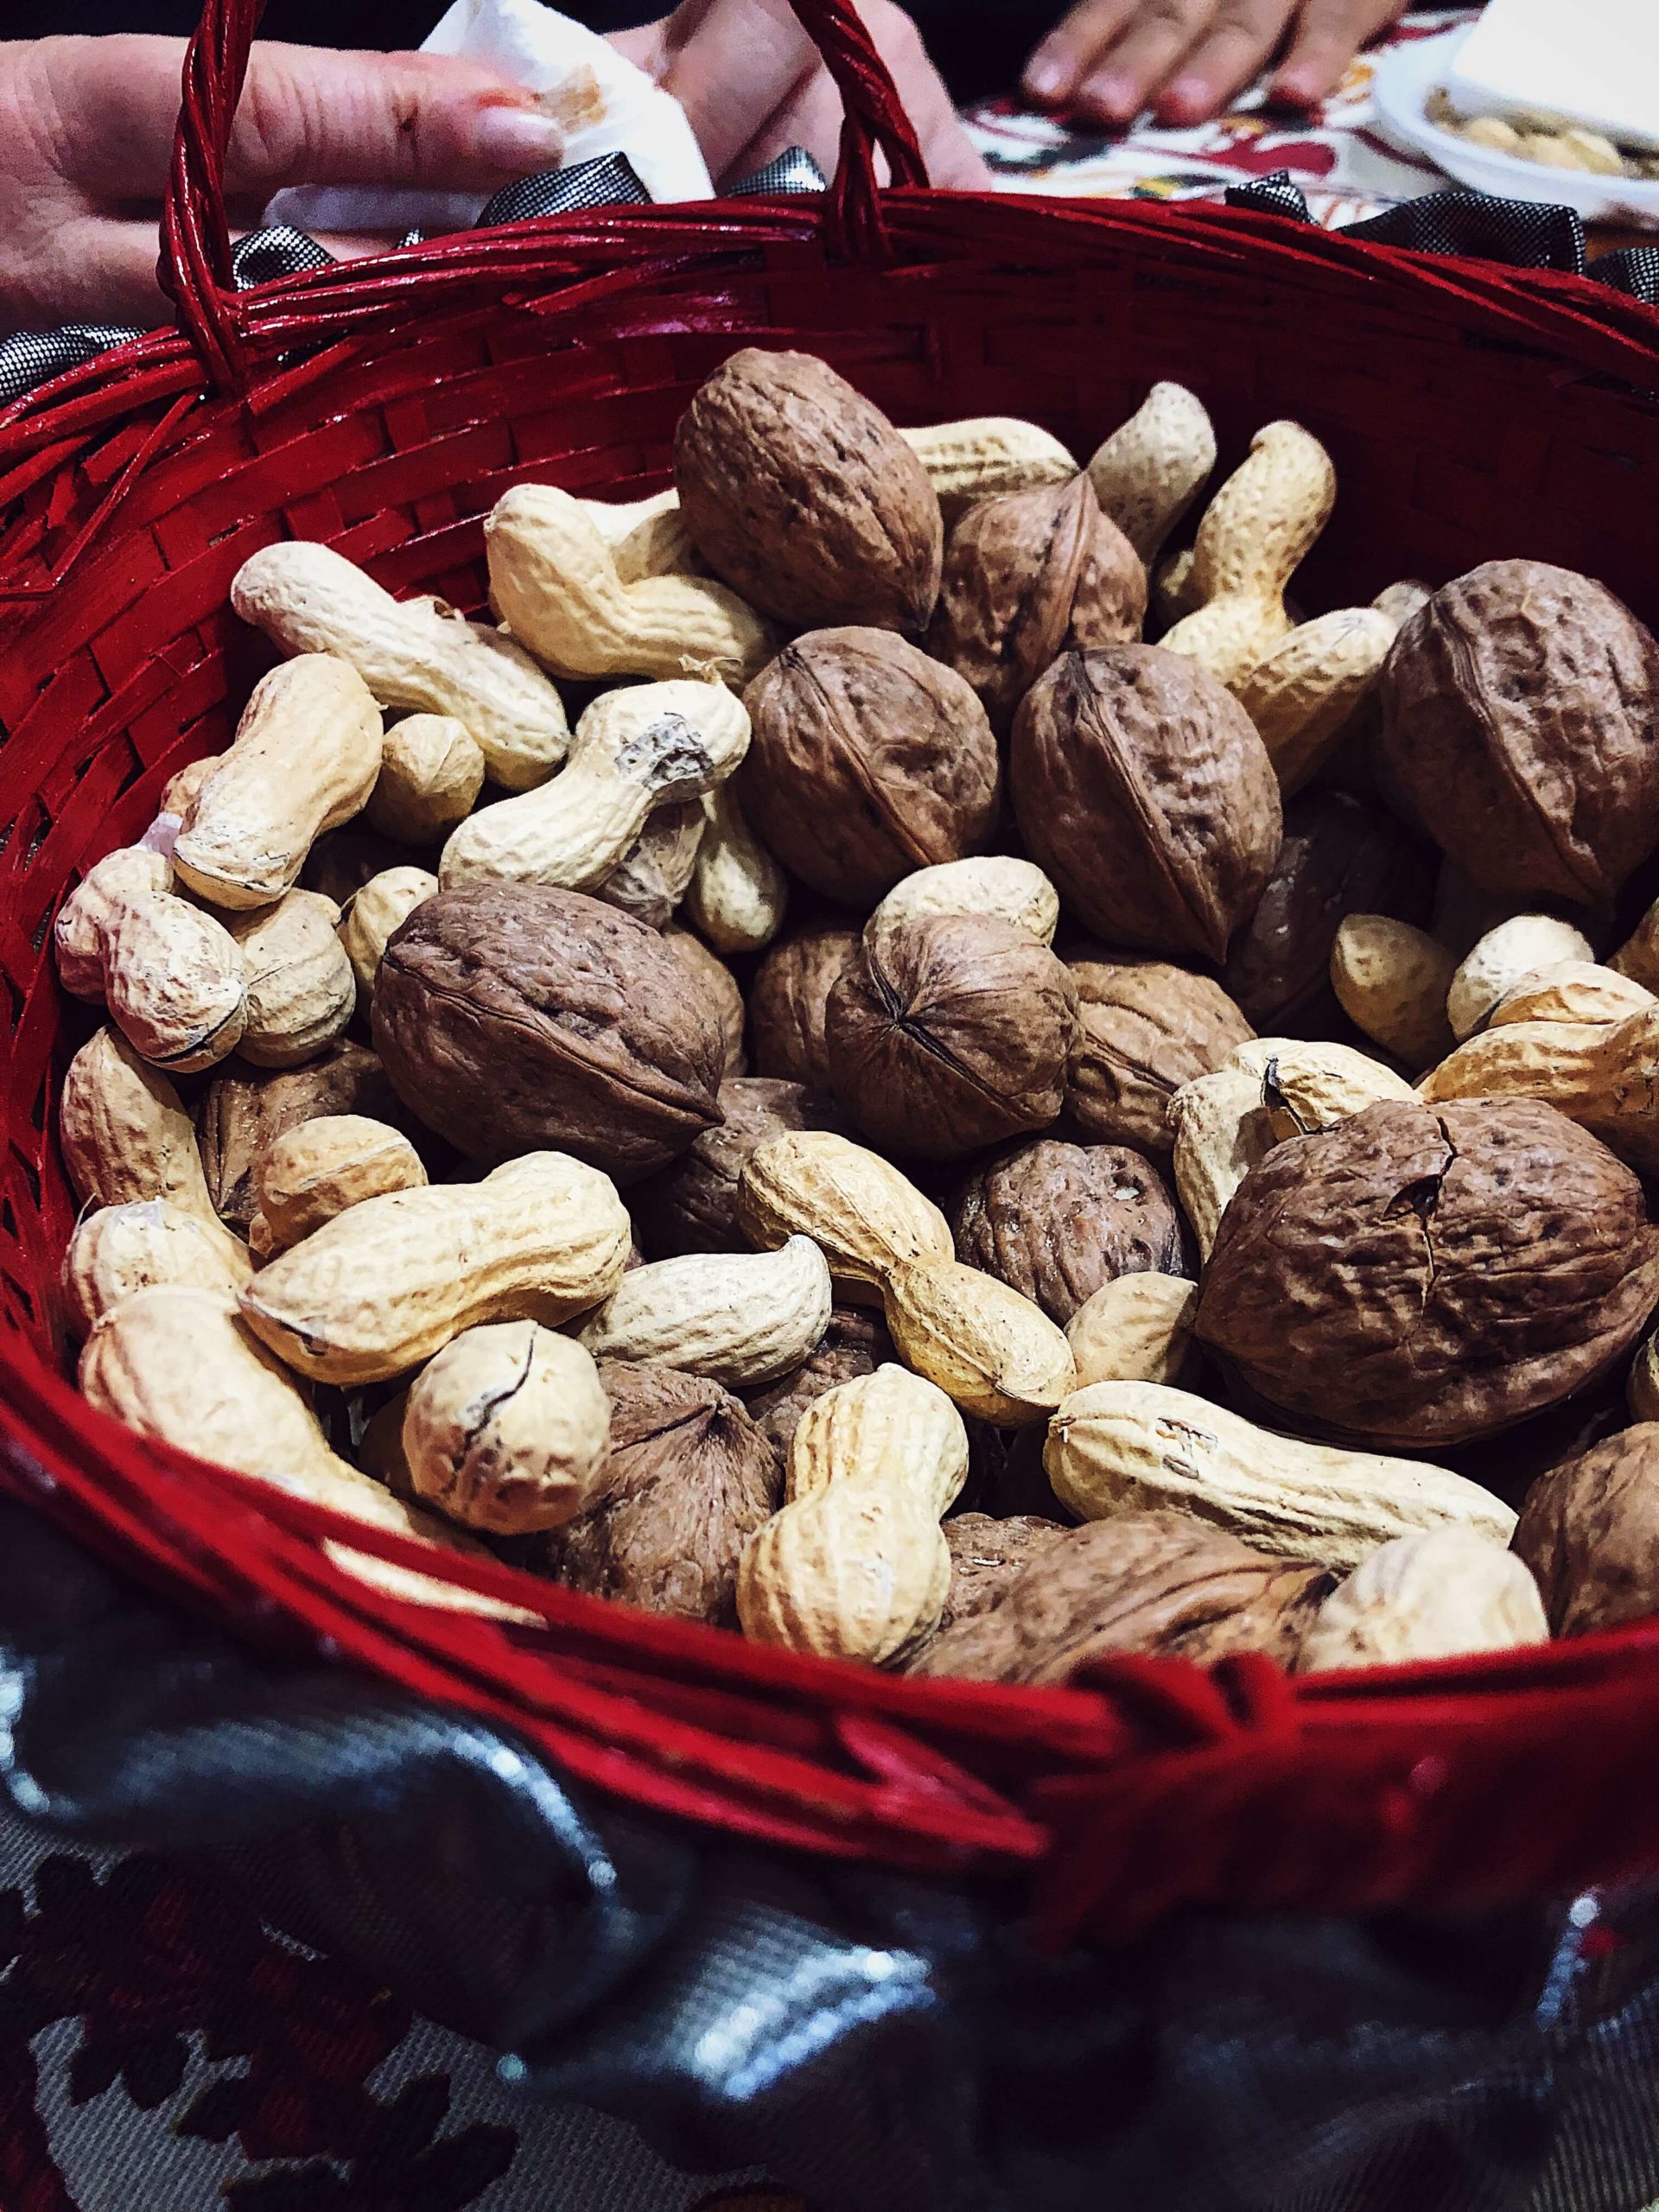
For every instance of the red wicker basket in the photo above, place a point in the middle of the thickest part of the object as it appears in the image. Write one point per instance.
(383, 408)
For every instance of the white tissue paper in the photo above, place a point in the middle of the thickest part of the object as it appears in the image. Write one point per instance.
(603, 104)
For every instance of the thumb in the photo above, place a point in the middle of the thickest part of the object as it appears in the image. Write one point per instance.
(311, 114)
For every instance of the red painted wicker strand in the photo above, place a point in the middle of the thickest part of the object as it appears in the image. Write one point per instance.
(383, 408)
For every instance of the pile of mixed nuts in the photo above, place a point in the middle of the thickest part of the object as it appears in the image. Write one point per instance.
(823, 1087)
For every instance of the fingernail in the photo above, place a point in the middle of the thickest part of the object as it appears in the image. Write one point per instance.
(518, 141)
(1188, 99)
(1046, 77)
(1115, 96)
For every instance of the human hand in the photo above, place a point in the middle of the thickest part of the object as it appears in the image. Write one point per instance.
(1186, 59)
(752, 83)
(86, 132)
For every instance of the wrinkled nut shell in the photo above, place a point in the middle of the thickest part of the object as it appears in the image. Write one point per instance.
(771, 438)
(1028, 576)
(995, 1353)
(1055, 1222)
(716, 982)
(864, 1216)
(1143, 788)
(789, 1001)
(1589, 1532)
(301, 989)
(508, 1429)
(950, 1033)
(1145, 1029)
(855, 1343)
(245, 1111)
(867, 760)
(1419, 1276)
(312, 1173)
(1137, 1329)
(1435, 1596)
(1518, 709)
(515, 1015)
(1156, 1582)
(1133, 1447)
(689, 1480)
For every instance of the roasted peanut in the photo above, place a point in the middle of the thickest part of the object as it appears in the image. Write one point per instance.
(1222, 1129)
(740, 1319)
(431, 773)
(1014, 890)
(864, 1216)
(737, 893)
(1137, 1329)
(416, 653)
(1572, 990)
(1150, 470)
(854, 1566)
(650, 745)
(170, 975)
(648, 538)
(1302, 696)
(1310, 1087)
(1507, 955)
(312, 1171)
(1441, 1594)
(508, 1429)
(126, 1135)
(122, 1249)
(554, 580)
(387, 1283)
(651, 878)
(993, 1351)
(300, 983)
(1602, 1075)
(1128, 1448)
(978, 460)
(1392, 981)
(385, 902)
(1254, 534)
(305, 759)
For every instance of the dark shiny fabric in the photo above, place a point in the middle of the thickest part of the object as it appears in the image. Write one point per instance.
(882, 2043)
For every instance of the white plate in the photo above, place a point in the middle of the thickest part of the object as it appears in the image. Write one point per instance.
(1405, 77)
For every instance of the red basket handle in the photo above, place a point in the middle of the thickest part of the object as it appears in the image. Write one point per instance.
(195, 265)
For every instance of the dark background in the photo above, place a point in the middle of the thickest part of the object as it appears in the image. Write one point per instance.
(979, 44)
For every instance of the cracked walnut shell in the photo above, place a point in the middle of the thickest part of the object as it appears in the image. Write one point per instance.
(1419, 1276)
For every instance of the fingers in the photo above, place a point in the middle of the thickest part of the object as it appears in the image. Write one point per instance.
(1329, 33)
(307, 116)
(732, 64)
(1158, 38)
(95, 269)
(1058, 64)
(1227, 58)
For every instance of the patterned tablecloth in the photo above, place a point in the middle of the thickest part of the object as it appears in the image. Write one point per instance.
(1344, 164)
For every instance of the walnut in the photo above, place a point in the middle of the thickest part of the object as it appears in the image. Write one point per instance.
(247, 1108)
(1159, 1582)
(1144, 1029)
(1029, 575)
(855, 1343)
(803, 497)
(1589, 1531)
(1518, 712)
(691, 1205)
(1142, 787)
(1418, 1276)
(1338, 857)
(513, 1017)
(690, 1478)
(717, 983)
(951, 1032)
(867, 760)
(1056, 1221)
(988, 1556)
(788, 1001)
